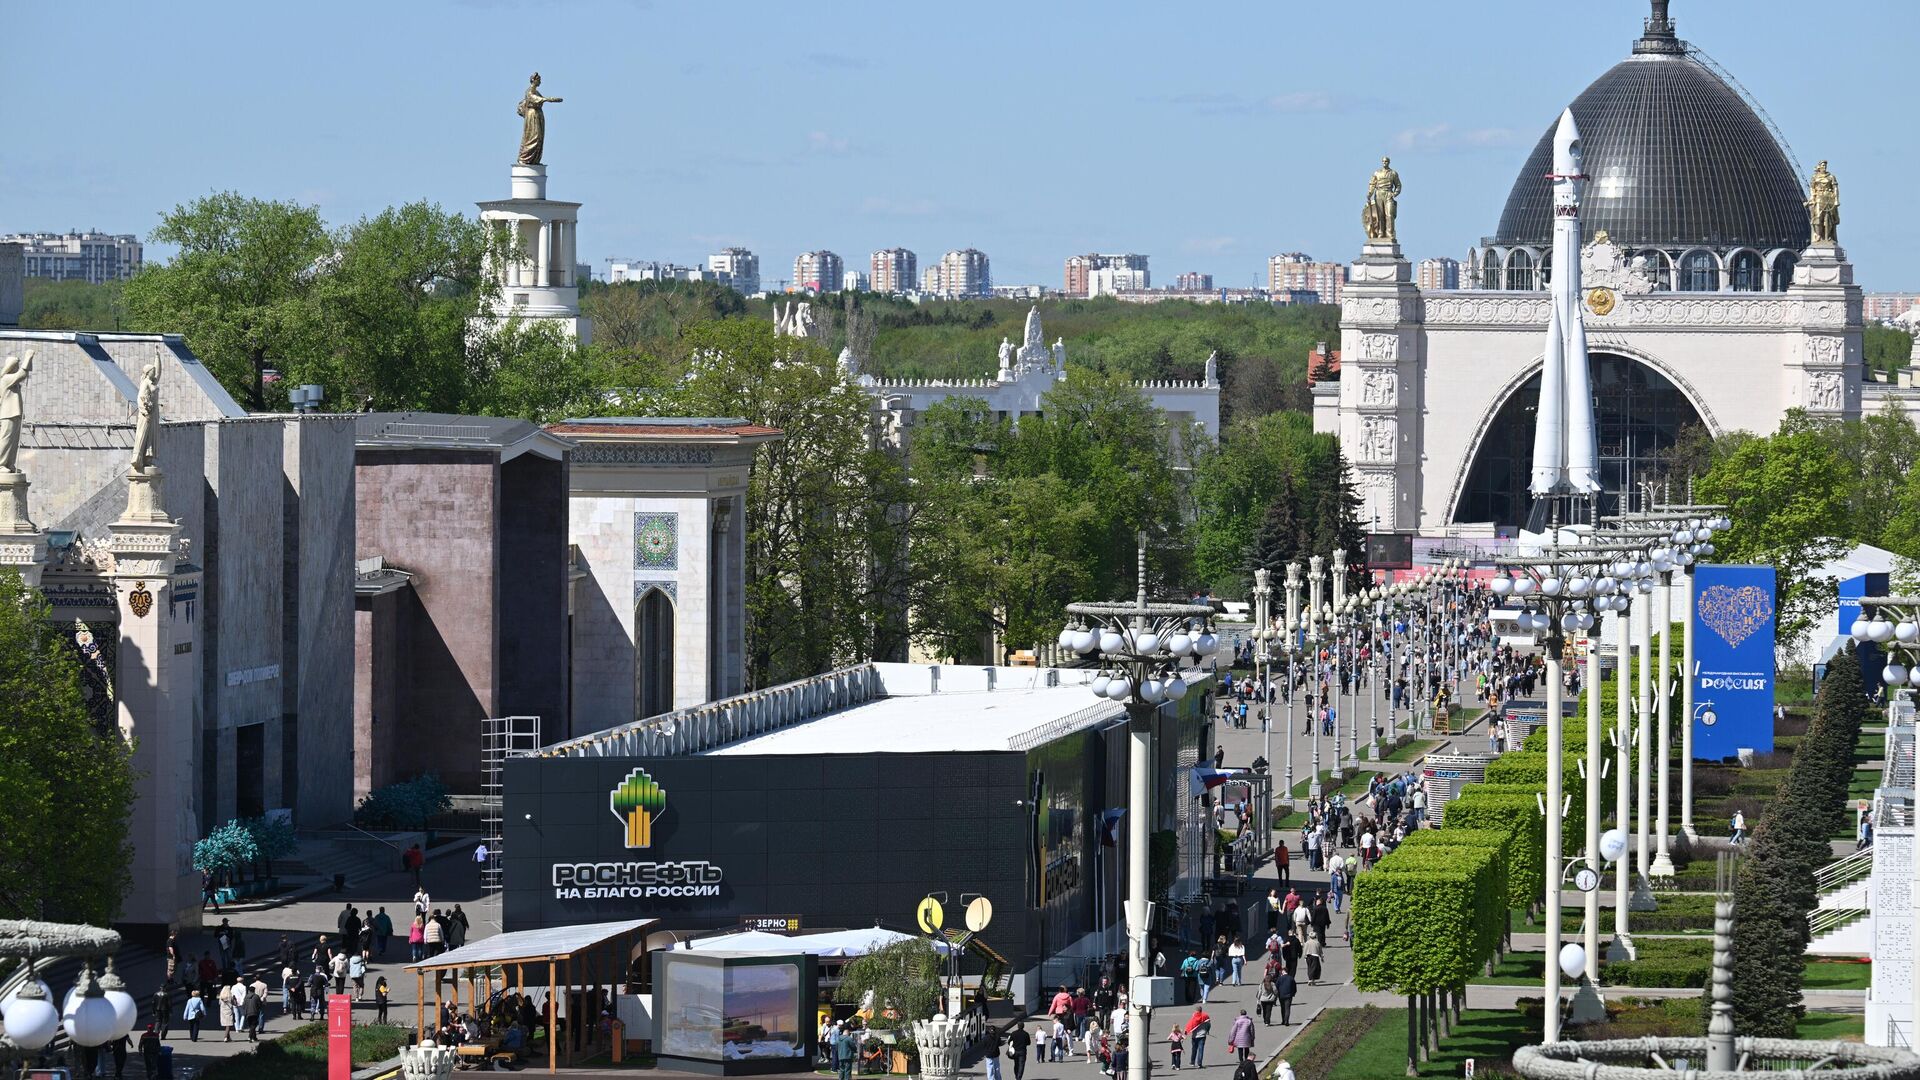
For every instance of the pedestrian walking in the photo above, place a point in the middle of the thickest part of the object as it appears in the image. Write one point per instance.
(1176, 1042)
(846, 1050)
(382, 933)
(228, 1018)
(1199, 1026)
(1267, 997)
(481, 856)
(457, 926)
(1017, 1042)
(417, 938)
(163, 1008)
(340, 966)
(357, 971)
(1740, 828)
(1240, 1036)
(413, 859)
(380, 993)
(251, 1014)
(1237, 956)
(150, 1052)
(992, 1056)
(193, 1013)
(434, 934)
(1284, 990)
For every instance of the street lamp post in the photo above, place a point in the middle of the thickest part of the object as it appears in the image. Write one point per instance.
(1565, 586)
(1373, 682)
(98, 1012)
(1143, 648)
(1893, 623)
(1262, 637)
(1292, 629)
(1317, 567)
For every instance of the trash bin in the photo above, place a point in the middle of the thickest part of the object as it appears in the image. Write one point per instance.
(166, 1062)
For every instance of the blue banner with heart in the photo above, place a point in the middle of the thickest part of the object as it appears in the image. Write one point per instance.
(1733, 628)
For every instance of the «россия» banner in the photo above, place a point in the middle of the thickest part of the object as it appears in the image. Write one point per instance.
(1733, 657)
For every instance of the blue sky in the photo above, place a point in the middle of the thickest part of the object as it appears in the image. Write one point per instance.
(1207, 136)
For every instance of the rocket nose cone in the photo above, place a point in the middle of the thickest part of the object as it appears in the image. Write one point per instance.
(1566, 142)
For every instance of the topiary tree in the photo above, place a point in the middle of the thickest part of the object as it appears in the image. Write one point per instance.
(1502, 885)
(273, 838)
(1414, 932)
(225, 850)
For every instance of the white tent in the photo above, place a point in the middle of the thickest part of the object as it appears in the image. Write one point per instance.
(838, 945)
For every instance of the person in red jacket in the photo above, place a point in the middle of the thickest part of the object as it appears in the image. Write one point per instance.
(1199, 1025)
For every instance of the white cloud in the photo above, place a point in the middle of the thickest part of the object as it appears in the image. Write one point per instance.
(883, 206)
(1444, 137)
(1210, 245)
(820, 142)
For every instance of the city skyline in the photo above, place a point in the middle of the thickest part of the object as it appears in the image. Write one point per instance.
(361, 122)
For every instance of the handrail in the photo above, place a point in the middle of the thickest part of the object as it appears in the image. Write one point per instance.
(1844, 871)
(382, 839)
(1826, 920)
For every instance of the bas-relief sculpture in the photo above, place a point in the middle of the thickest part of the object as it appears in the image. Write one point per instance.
(1823, 205)
(795, 320)
(1377, 436)
(1383, 202)
(13, 373)
(146, 418)
(1378, 388)
(533, 131)
(1826, 391)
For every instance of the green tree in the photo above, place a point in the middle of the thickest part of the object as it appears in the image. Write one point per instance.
(74, 305)
(1280, 539)
(240, 289)
(1888, 348)
(66, 786)
(1014, 521)
(824, 511)
(1791, 499)
(394, 309)
(1236, 483)
(903, 981)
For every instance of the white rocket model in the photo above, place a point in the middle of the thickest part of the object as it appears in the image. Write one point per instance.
(1566, 457)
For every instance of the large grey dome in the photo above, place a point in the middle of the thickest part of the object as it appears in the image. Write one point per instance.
(1675, 159)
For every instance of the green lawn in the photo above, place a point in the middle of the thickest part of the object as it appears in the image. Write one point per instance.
(1485, 1035)
(1516, 969)
(1411, 752)
(1828, 1026)
(1838, 975)
(301, 1054)
(1863, 784)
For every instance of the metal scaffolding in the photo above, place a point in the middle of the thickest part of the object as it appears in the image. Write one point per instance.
(501, 737)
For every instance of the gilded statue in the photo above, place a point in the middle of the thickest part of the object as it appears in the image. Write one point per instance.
(12, 373)
(1823, 205)
(146, 417)
(533, 135)
(1383, 202)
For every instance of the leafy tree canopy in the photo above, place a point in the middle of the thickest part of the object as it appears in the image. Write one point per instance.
(66, 786)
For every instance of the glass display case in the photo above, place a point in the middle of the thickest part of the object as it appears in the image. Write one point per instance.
(734, 1014)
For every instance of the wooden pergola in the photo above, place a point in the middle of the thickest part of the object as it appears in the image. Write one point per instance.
(586, 957)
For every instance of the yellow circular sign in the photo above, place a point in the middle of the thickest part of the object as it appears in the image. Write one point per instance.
(930, 915)
(1600, 301)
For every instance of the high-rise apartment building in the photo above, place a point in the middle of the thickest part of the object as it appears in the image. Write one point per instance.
(1292, 271)
(94, 257)
(965, 273)
(818, 271)
(1108, 280)
(854, 281)
(1081, 267)
(1193, 281)
(930, 280)
(1441, 273)
(1879, 307)
(741, 266)
(894, 270)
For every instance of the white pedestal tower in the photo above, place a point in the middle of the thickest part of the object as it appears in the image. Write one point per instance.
(539, 282)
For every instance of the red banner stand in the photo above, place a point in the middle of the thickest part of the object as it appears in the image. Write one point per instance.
(339, 1037)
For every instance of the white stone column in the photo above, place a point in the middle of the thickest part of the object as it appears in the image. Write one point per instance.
(142, 543)
(541, 264)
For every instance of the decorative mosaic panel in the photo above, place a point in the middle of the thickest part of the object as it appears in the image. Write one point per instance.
(94, 645)
(671, 588)
(656, 541)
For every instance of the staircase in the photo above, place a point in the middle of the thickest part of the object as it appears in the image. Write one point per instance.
(322, 855)
(1839, 924)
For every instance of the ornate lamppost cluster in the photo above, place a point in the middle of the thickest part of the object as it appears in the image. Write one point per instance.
(98, 1011)
(1892, 623)
(1562, 592)
(1147, 653)
(1679, 536)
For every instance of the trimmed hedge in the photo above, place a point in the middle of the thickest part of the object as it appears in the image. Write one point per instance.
(1479, 808)
(1530, 768)
(1501, 841)
(1487, 866)
(1413, 930)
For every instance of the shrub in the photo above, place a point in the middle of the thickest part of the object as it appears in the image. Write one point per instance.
(1685, 974)
(405, 805)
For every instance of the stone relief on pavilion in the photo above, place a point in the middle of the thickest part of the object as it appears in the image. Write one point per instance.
(1378, 434)
(1379, 388)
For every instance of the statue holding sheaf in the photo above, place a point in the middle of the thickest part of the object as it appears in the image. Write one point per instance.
(1383, 202)
(1823, 205)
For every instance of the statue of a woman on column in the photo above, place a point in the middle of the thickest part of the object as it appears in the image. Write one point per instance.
(13, 372)
(533, 134)
(146, 417)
